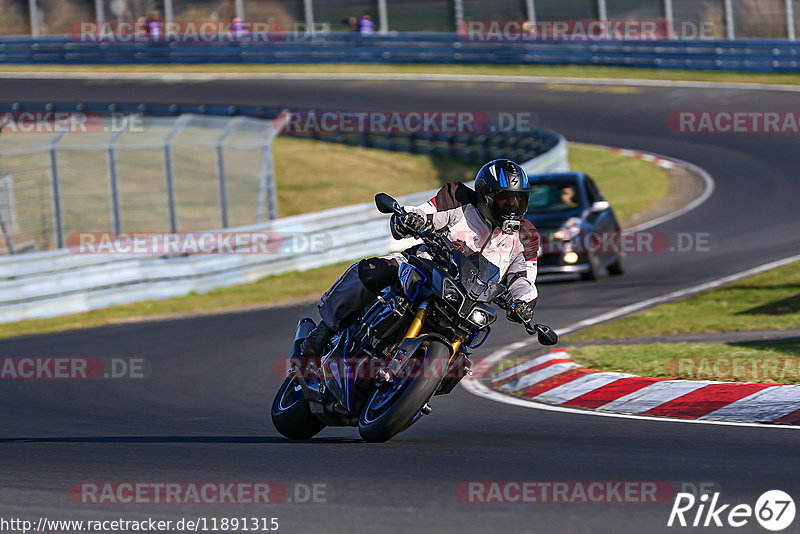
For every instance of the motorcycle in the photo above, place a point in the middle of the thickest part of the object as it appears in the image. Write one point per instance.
(408, 346)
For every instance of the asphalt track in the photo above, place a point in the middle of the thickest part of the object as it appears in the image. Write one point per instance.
(202, 413)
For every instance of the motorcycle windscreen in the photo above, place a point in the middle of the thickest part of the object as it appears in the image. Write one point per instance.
(479, 276)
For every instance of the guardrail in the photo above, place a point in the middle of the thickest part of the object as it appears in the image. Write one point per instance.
(55, 283)
(737, 55)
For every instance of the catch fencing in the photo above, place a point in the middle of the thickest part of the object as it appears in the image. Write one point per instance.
(120, 172)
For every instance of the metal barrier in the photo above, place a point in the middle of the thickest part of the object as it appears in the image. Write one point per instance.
(61, 282)
(735, 55)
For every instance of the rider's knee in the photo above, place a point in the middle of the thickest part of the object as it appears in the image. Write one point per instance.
(377, 273)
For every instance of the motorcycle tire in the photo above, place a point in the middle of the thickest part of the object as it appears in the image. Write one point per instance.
(392, 408)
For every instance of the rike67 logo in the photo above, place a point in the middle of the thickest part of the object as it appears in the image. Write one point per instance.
(774, 510)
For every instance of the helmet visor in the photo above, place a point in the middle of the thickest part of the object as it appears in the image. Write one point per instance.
(509, 204)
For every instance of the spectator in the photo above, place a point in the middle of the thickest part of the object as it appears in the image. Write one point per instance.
(238, 28)
(352, 22)
(154, 28)
(365, 24)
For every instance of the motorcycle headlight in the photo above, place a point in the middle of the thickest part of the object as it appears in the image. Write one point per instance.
(478, 318)
(481, 318)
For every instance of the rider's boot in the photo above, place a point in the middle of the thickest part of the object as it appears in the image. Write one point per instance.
(312, 347)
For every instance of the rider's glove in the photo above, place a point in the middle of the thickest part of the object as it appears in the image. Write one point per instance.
(521, 312)
(410, 224)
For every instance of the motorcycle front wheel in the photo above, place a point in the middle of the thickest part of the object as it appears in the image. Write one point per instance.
(393, 407)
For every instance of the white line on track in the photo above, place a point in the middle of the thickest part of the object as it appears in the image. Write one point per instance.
(334, 76)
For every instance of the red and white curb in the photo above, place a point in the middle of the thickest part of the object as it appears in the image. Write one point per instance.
(664, 163)
(555, 379)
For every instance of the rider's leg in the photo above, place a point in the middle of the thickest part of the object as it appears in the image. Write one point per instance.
(348, 296)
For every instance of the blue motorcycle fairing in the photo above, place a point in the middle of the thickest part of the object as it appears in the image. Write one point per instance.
(338, 370)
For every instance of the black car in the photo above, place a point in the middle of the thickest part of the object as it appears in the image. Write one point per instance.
(578, 230)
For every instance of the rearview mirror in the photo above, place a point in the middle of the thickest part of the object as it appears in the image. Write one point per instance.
(386, 204)
(545, 334)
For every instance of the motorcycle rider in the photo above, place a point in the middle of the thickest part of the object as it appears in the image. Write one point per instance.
(489, 219)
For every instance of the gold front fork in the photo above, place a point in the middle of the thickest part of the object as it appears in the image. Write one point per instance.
(419, 320)
(456, 345)
(416, 326)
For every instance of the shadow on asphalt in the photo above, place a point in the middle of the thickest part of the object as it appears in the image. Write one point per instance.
(175, 439)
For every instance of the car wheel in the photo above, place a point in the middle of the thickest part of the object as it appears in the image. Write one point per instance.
(615, 268)
(594, 267)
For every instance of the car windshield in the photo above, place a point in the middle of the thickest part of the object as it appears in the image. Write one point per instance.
(554, 197)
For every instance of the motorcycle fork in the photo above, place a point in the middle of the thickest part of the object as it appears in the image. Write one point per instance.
(416, 326)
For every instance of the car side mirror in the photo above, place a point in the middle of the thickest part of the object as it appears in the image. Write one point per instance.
(600, 205)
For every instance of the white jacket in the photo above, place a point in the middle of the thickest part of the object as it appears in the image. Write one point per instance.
(454, 209)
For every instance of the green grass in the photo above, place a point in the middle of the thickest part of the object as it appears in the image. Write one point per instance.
(630, 184)
(731, 362)
(340, 175)
(768, 301)
(343, 182)
(512, 70)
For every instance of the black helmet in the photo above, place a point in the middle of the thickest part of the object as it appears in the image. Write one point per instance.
(503, 190)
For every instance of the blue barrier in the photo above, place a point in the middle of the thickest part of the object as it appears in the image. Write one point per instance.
(432, 48)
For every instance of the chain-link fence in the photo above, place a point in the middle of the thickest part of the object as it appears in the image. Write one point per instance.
(127, 173)
(690, 19)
